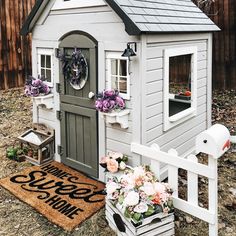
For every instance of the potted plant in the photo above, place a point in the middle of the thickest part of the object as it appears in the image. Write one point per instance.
(16, 153)
(140, 200)
(39, 90)
(112, 107)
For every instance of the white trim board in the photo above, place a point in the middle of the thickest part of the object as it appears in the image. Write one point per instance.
(61, 4)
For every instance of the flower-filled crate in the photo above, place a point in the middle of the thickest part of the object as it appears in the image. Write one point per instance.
(39, 142)
(112, 108)
(137, 204)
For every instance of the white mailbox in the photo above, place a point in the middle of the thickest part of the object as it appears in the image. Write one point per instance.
(215, 141)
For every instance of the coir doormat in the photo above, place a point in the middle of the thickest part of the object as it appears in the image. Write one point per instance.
(61, 194)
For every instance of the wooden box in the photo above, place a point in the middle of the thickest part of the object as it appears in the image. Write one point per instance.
(40, 142)
(159, 224)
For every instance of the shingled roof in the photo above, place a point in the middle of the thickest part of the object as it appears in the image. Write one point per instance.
(149, 16)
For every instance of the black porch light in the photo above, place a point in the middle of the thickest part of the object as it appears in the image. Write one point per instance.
(129, 51)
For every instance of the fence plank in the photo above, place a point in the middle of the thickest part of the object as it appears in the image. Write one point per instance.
(15, 50)
(192, 183)
(173, 174)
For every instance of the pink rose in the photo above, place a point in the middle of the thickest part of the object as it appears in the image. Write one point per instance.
(112, 165)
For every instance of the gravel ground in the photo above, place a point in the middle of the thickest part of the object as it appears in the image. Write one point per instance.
(19, 219)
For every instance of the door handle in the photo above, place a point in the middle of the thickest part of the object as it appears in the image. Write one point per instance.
(91, 95)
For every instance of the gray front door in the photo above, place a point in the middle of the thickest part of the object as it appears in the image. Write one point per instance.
(79, 118)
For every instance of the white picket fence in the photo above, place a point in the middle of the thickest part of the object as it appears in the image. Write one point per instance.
(194, 169)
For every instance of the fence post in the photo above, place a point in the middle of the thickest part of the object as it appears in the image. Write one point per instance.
(192, 183)
(213, 196)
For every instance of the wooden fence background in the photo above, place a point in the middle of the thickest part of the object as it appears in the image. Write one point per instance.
(223, 13)
(15, 51)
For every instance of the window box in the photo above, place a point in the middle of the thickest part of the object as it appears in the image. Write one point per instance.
(46, 100)
(121, 117)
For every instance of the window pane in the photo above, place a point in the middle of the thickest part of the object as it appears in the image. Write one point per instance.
(48, 62)
(123, 67)
(48, 75)
(180, 74)
(179, 83)
(114, 82)
(42, 60)
(114, 66)
(123, 85)
(43, 72)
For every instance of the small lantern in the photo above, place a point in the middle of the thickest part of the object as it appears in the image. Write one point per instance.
(130, 50)
(39, 141)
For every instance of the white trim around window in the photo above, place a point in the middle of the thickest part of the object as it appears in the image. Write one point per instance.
(171, 121)
(45, 52)
(117, 56)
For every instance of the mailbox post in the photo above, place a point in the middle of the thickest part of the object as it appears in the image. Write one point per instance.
(215, 142)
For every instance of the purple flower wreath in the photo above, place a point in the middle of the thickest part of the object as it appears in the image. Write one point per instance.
(109, 100)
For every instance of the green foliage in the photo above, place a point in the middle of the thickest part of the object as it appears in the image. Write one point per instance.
(150, 211)
(14, 153)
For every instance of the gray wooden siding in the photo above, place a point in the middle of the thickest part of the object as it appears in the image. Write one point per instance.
(182, 136)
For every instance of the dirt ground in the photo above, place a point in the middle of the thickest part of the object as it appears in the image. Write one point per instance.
(19, 219)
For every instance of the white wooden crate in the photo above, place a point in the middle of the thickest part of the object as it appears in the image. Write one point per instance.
(149, 227)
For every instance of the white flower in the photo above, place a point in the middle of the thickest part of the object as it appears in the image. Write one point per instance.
(131, 199)
(139, 171)
(159, 187)
(127, 181)
(141, 208)
(148, 188)
(122, 165)
(111, 187)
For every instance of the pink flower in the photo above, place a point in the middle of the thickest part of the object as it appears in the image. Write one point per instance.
(37, 82)
(109, 93)
(120, 102)
(112, 165)
(104, 160)
(159, 188)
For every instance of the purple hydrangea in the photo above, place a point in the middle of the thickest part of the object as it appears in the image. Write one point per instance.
(109, 100)
(35, 87)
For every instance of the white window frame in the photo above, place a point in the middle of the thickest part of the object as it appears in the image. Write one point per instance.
(47, 52)
(117, 55)
(61, 4)
(182, 116)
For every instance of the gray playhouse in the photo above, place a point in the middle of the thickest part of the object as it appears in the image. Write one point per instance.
(172, 40)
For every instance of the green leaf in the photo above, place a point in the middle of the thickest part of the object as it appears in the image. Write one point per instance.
(150, 211)
(137, 216)
(121, 199)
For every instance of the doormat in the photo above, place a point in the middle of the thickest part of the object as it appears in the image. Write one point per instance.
(64, 196)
